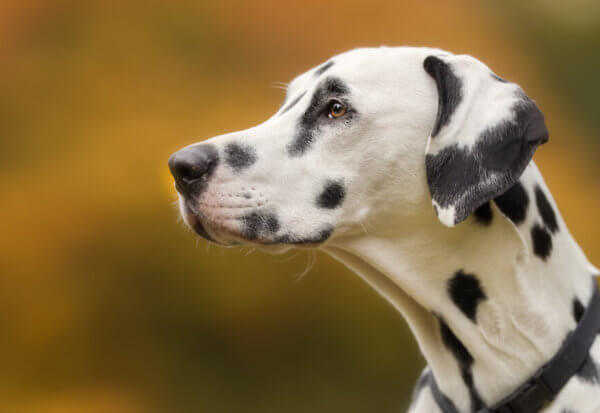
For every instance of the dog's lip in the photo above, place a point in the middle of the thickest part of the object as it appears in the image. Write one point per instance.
(215, 228)
(203, 227)
(225, 235)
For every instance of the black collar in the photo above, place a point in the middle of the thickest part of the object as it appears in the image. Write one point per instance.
(539, 391)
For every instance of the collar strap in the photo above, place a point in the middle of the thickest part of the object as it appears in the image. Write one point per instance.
(541, 389)
(544, 386)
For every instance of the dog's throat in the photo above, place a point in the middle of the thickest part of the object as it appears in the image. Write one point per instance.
(542, 388)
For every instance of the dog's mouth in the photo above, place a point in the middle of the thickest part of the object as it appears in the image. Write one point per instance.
(229, 225)
(219, 230)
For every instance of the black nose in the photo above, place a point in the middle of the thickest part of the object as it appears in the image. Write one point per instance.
(193, 165)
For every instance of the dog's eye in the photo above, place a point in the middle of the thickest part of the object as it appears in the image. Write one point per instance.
(336, 109)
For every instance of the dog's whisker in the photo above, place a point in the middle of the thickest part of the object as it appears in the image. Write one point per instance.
(288, 258)
(361, 223)
(312, 258)
(279, 85)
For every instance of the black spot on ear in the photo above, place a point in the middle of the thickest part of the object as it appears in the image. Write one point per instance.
(323, 68)
(542, 241)
(466, 178)
(483, 214)
(466, 293)
(545, 210)
(309, 125)
(293, 103)
(589, 371)
(578, 309)
(449, 88)
(332, 196)
(239, 156)
(259, 223)
(513, 203)
(465, 362)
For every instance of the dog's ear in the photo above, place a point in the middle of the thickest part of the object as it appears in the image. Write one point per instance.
(485, 134)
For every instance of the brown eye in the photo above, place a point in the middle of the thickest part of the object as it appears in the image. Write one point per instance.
(336, 109)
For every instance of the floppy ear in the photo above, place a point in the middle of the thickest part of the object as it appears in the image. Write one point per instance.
(485, 134)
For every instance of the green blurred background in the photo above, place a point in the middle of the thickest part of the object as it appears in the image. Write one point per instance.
(108, 305)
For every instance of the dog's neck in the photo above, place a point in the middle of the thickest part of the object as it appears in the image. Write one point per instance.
(511, 309)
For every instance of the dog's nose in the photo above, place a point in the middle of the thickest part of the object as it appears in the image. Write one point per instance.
(193, 164)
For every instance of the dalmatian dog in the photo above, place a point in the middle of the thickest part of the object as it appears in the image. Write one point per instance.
(412, 166)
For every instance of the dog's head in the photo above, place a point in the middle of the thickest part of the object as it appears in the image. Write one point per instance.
(372, 135)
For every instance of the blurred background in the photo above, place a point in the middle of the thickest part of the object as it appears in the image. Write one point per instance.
(108, 305)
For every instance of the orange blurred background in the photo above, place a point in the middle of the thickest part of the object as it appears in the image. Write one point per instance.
(108, 305)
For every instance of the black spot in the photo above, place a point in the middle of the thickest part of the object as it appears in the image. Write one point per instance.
(259, 223)
(589, 371)
(449, 88)
(332, 196)
(465, 362)
(466, 293)
(542, 241)
(498, 78)
(568, 411)
(239, 156)
(318, 238)
(483, 214)
(310, 122)
(455, 346)
(321, 236)
(545, 209)
(578, 309)
(293, 103)
(444, 403)
(467, 178)
(323, 68)
(513, 203)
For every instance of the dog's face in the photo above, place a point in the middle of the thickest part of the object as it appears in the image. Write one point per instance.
(353, 143)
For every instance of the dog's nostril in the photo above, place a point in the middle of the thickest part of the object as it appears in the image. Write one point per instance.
(193, 163)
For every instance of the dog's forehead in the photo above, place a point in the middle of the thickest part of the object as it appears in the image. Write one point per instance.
(344, 64)
(360, 65)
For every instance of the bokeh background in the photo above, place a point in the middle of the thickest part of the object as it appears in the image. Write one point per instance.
(108, 305)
